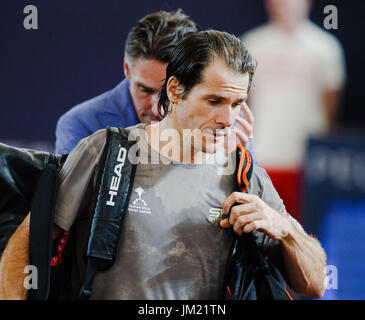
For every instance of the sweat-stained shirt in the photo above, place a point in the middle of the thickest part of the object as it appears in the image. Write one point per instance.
(170, 246)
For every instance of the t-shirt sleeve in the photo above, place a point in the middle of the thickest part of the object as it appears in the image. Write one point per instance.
(77, 177)
(333, 65)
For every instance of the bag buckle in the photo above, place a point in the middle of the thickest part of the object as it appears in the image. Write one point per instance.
(220, 217)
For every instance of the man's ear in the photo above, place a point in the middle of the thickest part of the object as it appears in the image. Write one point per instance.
(174, 90)
(126, 67)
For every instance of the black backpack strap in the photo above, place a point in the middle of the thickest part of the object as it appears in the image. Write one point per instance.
(116, 182)
(40, 234)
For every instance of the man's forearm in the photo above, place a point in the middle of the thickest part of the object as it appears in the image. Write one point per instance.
(305, 263)
(331, 100)
(13, 261)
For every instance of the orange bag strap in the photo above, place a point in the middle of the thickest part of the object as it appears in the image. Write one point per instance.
(243, 168)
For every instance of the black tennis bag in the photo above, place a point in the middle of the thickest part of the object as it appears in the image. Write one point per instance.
(249, 275)
(20, 171)
(28, 181)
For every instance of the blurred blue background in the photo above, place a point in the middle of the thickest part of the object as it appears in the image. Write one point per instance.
(77, 54)
(334, 209)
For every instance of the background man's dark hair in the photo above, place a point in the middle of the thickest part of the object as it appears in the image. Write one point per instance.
(196, 51)
(156, 35)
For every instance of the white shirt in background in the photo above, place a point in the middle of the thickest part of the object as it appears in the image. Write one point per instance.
(286, 97)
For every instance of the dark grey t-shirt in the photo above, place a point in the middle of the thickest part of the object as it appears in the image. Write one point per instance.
(170, 247)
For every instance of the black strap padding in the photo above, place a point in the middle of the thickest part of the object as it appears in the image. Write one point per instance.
(41, 226)
(116, 182)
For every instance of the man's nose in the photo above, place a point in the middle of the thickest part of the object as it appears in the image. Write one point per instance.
(154, 102)
(225, 116)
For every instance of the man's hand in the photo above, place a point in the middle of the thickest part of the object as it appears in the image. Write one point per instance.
(244, 127)
(242, 131)
(304, 258)
(251, 213)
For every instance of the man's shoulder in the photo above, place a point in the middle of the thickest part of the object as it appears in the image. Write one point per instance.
(258, 179)
(97, 140)
(89, 107)
(111, 108)
(262, 186)
(92, 144)
(257, 34)
(321, 40)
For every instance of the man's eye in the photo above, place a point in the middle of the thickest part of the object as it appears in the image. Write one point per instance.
(213, 102)
(236, 105)
(145, 90)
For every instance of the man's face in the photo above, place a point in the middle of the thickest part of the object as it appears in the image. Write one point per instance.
(212, 105)
(288, 12)
(146, 77)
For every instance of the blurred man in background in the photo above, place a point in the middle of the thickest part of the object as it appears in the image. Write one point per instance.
(296, 92)
(148, 49)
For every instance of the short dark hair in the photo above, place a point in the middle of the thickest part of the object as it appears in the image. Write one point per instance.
(195, 52)
(156, 35)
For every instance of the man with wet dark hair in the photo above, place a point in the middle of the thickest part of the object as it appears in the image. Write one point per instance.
(171, 248)
(148, 49)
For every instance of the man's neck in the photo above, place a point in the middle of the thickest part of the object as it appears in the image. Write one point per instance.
(288, 27)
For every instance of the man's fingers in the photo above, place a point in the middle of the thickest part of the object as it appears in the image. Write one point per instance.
(244, 126)
(239, 210)
(225, 223)
(244, 220)
(241, 226)
(243, 131)
(237, 197)
(248, 113)
(242, 138)
(254, 225)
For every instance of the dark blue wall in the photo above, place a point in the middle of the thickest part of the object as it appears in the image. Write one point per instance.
(77, 53)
